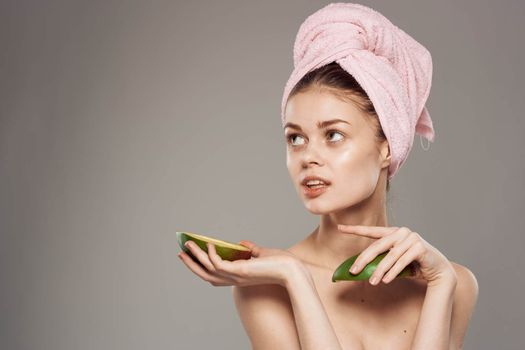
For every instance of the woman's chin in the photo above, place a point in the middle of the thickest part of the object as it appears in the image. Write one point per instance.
(317, 209)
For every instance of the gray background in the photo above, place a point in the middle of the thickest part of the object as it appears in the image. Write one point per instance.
(123, 122)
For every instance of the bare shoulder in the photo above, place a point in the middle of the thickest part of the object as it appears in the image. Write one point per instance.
(467, 281)
(467, 288)
(465, 299)
(267, 316)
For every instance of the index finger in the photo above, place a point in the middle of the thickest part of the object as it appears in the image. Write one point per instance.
(220, 264)
(368, 231)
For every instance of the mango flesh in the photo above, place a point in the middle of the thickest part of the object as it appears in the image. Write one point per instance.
(226, 250)
(342, 273)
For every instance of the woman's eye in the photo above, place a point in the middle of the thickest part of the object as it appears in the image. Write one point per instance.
(291, 137)
(334, 132)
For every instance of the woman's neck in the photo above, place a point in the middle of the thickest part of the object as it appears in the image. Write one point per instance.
(330, 247)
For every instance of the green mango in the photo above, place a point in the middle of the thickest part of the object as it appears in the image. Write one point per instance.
(342, 273)
(226, 250)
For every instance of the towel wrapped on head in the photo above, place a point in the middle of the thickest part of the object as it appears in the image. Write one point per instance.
(393, 68)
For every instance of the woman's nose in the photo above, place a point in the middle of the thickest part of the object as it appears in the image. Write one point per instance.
(311, 155)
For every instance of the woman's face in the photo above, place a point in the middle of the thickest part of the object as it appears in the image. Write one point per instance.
(346, 153)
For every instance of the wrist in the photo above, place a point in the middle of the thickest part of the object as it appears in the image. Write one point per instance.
(296, 274)
(445, 280)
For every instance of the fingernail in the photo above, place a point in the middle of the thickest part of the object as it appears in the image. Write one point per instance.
(353, 269)
(373, 280)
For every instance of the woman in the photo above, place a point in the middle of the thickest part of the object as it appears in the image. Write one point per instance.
(350, 110)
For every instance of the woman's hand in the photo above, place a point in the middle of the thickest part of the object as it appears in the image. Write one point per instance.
(267, 266)
(405, 246)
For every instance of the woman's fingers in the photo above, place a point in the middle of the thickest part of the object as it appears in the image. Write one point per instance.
(255, 250)
(199, 271)
(225, 268)
(408, 257)
(378, 247)
(200, 254)
(247, 244)
(385, 266)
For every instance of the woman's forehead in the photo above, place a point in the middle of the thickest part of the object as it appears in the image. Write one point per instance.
(310, 109)
(299, 118)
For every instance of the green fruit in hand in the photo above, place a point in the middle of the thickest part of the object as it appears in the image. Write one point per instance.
(226, 250)
(342, 273)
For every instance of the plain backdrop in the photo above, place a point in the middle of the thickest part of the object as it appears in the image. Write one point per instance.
(122, 122)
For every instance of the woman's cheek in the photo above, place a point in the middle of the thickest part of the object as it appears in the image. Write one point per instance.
(355, 173)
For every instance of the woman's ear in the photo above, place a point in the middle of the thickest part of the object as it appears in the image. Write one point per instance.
(385, 153)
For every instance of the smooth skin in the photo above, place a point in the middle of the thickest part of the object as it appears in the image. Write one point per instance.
(285, 298)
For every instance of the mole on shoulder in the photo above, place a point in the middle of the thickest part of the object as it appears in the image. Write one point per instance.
(362, 300)
(405, 330)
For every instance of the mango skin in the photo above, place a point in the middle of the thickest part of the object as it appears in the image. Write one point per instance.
(342, 272)
(225, 252)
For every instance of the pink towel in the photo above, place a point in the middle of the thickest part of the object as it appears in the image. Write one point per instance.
(393, 68)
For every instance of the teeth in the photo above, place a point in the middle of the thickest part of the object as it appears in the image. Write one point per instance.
(317, 186)
(314, 182)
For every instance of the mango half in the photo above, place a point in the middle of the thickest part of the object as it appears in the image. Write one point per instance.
(342, 273)
(226, 250)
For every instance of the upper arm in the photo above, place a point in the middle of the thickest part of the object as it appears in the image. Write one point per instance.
(465, 299)
(267, 316)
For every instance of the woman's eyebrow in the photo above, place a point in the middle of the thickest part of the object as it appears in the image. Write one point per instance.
(320, 125)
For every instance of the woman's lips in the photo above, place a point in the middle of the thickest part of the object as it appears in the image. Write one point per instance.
(314, 192)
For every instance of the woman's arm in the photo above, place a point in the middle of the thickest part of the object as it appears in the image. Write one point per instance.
(433, 327)
(313, 326)
(449, 304)
(270, 322)
(465, 299)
